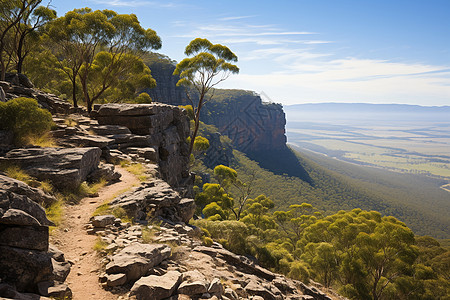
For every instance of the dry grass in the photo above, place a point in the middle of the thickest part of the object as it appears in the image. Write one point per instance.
(70, 122)
(138, 170)
(16, 172)
(45, 140)
(55, 214)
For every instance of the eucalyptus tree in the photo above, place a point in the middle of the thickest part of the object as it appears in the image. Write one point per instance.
(209, 65)
(27, 33)
(101, 49)
(11, 14)
(74, 39)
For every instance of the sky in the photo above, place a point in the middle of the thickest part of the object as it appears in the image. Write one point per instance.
(311, 51)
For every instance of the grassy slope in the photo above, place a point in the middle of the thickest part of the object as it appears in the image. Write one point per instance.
(337, 185)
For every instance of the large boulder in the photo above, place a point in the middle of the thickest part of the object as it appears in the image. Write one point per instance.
(25, 256)
(135, 260)
(156, 287)
(66, 168)
(242, 263)
(25, 268)
(155, 199)
(13, 188)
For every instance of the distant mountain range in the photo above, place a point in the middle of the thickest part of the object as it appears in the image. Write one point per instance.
(366, 112)
(367, 107)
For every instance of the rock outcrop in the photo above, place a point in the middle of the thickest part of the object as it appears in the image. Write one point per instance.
(155, 199)
(27, 262)
(162, 127)
(18, 85)
(250, 123)
(166, 90)
(65, 168)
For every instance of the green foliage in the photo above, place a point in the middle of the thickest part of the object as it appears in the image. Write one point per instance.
(233, 234)
(214, 193)
(298, 270)
(214, 212)
(189, 111)
(143, 98)
(19, 22)
(25, 118)
(99, 51)
(200, 144)
(361, 253)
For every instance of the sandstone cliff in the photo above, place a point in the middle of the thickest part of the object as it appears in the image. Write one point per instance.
(166, 90)
(250, 123)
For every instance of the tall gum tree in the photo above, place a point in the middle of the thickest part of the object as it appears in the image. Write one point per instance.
(11, 14)
(209, 65)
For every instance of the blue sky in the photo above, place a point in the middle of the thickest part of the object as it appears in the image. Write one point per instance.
(304, 51)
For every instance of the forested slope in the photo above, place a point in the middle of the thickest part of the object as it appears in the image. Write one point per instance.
(339, 186)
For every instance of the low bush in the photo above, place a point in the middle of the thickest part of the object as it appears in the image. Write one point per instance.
(25, 118)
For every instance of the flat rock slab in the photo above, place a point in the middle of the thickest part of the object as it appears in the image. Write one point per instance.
(66, 168)
(156, 287)
(25, 237)
(103, 221)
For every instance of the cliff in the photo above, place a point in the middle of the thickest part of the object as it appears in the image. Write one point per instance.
(251, 124)
(166, 90)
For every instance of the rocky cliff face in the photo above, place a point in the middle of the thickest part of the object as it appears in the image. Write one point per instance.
(166, 90)
(241, 115)
(251, 124)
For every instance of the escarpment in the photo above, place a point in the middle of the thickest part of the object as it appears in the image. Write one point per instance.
(147, 248)
(250, 123)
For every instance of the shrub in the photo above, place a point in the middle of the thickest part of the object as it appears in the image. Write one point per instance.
(24, 117)
(143, 98)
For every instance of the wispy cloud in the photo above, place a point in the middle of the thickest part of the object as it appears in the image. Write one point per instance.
(235, 18)
(352, 80)
(295, 65)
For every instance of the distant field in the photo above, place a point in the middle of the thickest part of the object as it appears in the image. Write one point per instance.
(418, 146)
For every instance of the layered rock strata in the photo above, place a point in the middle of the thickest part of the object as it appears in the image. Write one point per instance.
(250, 123)
(162, 127)
(18, 85)
(27, 262)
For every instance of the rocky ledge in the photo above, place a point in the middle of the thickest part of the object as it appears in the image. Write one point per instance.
(164, 127)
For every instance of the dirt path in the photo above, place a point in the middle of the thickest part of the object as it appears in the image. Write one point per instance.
(77, 245)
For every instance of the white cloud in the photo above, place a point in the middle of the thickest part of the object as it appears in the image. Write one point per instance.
(353, 80)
